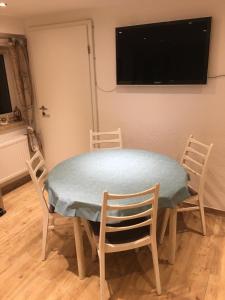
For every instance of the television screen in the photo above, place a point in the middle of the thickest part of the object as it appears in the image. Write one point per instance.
(173, 52)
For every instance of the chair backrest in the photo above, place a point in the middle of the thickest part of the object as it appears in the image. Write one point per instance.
(38, 172)
(148, 205)
(103, 140)
(194, 160)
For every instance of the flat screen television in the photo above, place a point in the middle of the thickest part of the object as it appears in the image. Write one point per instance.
(167, 53)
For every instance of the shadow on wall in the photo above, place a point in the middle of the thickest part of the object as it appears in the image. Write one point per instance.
(209, 88)
(160, 89)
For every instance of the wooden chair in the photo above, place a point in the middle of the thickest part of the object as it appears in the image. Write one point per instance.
(132, 232)
(194, 160)
(38, 172)
(111, 140)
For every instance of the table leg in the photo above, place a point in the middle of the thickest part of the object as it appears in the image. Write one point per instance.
(79, 247)
(172, 234)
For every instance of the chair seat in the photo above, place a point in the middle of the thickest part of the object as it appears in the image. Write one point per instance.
(122, 237)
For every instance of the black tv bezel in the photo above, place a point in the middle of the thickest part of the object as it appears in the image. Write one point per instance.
(208, 21)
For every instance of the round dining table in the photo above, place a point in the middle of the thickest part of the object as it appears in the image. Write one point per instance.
(75, 186)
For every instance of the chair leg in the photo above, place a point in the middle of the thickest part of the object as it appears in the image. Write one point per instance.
(90, 238)
(156, 266)
(51, 222)
(44, 237)
(104, 291)
(164, 225)
(202, 214)
(79, 247)
(172, 234)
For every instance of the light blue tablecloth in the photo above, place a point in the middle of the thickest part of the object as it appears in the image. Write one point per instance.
(75, 186)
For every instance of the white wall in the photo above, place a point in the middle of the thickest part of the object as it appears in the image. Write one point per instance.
(161, 118)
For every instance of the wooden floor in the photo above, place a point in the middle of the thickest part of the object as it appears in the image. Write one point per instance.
(199, 271)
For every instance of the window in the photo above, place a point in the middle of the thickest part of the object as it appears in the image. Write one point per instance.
(5, 101)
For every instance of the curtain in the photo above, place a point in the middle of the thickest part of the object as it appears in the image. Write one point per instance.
(20, 65)
(16, 48)
(18, 55)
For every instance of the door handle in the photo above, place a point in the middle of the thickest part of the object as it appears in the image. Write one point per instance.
(43, 108)
(43, 111)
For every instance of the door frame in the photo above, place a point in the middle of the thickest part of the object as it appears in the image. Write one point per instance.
(91, 55)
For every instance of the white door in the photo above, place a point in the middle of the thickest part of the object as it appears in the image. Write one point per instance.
(60, 68)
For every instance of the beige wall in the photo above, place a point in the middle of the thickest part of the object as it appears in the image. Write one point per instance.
(11, 25)
(161, 118)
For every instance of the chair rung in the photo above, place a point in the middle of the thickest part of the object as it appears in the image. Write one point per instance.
(106, 141)
(191, 208)
(145, 213)
(43, 174)
(108, 148)
(189, 149)
(35, 156)
(105, 133)
(186, 157)
(191, 170)
(194, 141)
(130, 206)
(127, 246)
(126, 196)
(39, 165)
(123, 228)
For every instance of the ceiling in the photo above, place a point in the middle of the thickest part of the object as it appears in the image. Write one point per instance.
(26, 8)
